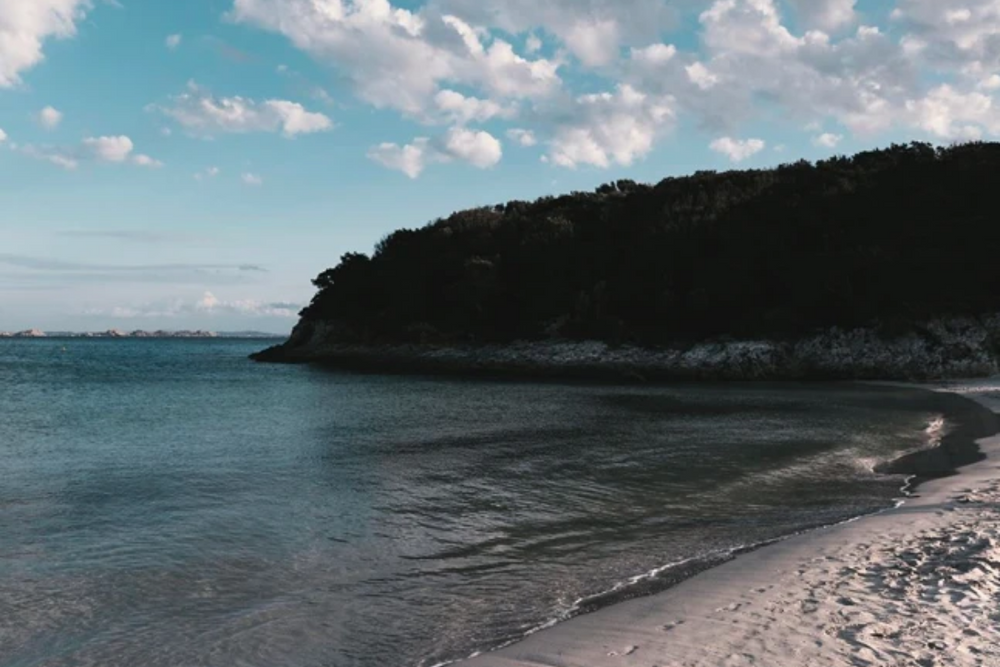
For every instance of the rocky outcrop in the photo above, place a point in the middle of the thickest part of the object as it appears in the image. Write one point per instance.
(939, 349)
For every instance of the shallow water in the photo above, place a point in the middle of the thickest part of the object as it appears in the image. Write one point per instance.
(167, 503)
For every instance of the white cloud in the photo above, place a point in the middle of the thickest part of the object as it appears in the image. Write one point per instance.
(521, 136)
(480, 149)
(596, 42)
(210, 172)
(173, 41)
(3, 136)
(828, 140)
(461, 109)
(109, 149)
(806, 61)
(198, 111)
(750, 27)
(825, 14)
(207, 305)
(211, 304)
(991, 82)
(25, 25)
(655, 54)
(50, 118)
(146, 161)
(252, 180)
(592, 30)
(611, 128)
(60, 158)
(701, 76)
(947, 113)
(952, 33)
(409, 159)
(400, 59)
(737, 150)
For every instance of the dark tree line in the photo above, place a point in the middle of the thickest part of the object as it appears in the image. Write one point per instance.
(886, 237)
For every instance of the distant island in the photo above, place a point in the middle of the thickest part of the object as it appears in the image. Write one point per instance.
(880, 265)
(116, 333)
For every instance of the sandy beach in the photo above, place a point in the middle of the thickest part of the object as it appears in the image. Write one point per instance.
(917, 586)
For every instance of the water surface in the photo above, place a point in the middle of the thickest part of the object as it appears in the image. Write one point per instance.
(168, 503)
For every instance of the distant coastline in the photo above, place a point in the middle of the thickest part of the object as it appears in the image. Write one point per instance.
(117, 333)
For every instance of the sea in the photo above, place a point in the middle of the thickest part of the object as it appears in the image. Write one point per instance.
(169, 503)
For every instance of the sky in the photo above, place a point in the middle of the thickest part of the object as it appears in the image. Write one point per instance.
(195, 163)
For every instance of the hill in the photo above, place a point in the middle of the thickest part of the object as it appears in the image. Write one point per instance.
(886, 241)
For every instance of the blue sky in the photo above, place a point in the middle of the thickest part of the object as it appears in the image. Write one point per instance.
(194, 163)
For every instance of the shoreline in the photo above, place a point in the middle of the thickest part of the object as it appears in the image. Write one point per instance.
(939, 349)
(866, 591)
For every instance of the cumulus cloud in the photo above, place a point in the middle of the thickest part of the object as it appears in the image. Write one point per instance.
(522, 137)
(409, 159)
(461, 109)
(173, 41)
(752, 62)
(146, 161)
(253, 180)
(25, 25)
(49, 118)
(611, 128)
(825, 14)
(737, 150)
(948, 113)
(109, 149)
(207, 305)
(198, 111)
(400, 59)
(655, 54)
(480, 149)
(952, 33)
(932, 67)
(828, 140)
(594, 31)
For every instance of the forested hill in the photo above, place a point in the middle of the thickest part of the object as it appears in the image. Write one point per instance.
(886, 238)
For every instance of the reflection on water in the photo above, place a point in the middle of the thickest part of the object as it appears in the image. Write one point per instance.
(168, 503)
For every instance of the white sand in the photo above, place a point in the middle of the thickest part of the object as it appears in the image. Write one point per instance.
(915, 586)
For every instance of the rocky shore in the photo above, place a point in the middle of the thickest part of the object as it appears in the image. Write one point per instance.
(938, 349)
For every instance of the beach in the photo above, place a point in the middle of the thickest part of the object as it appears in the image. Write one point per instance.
(915, 585)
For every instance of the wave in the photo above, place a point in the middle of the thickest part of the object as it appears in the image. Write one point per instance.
(670, 574)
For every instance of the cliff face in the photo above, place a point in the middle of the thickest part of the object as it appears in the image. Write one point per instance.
(939, 349)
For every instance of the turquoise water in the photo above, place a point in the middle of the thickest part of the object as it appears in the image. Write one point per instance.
(169, 503)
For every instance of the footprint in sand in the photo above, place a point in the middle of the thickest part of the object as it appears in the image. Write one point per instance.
(670, 626)
(736, 606)
(629, 650)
